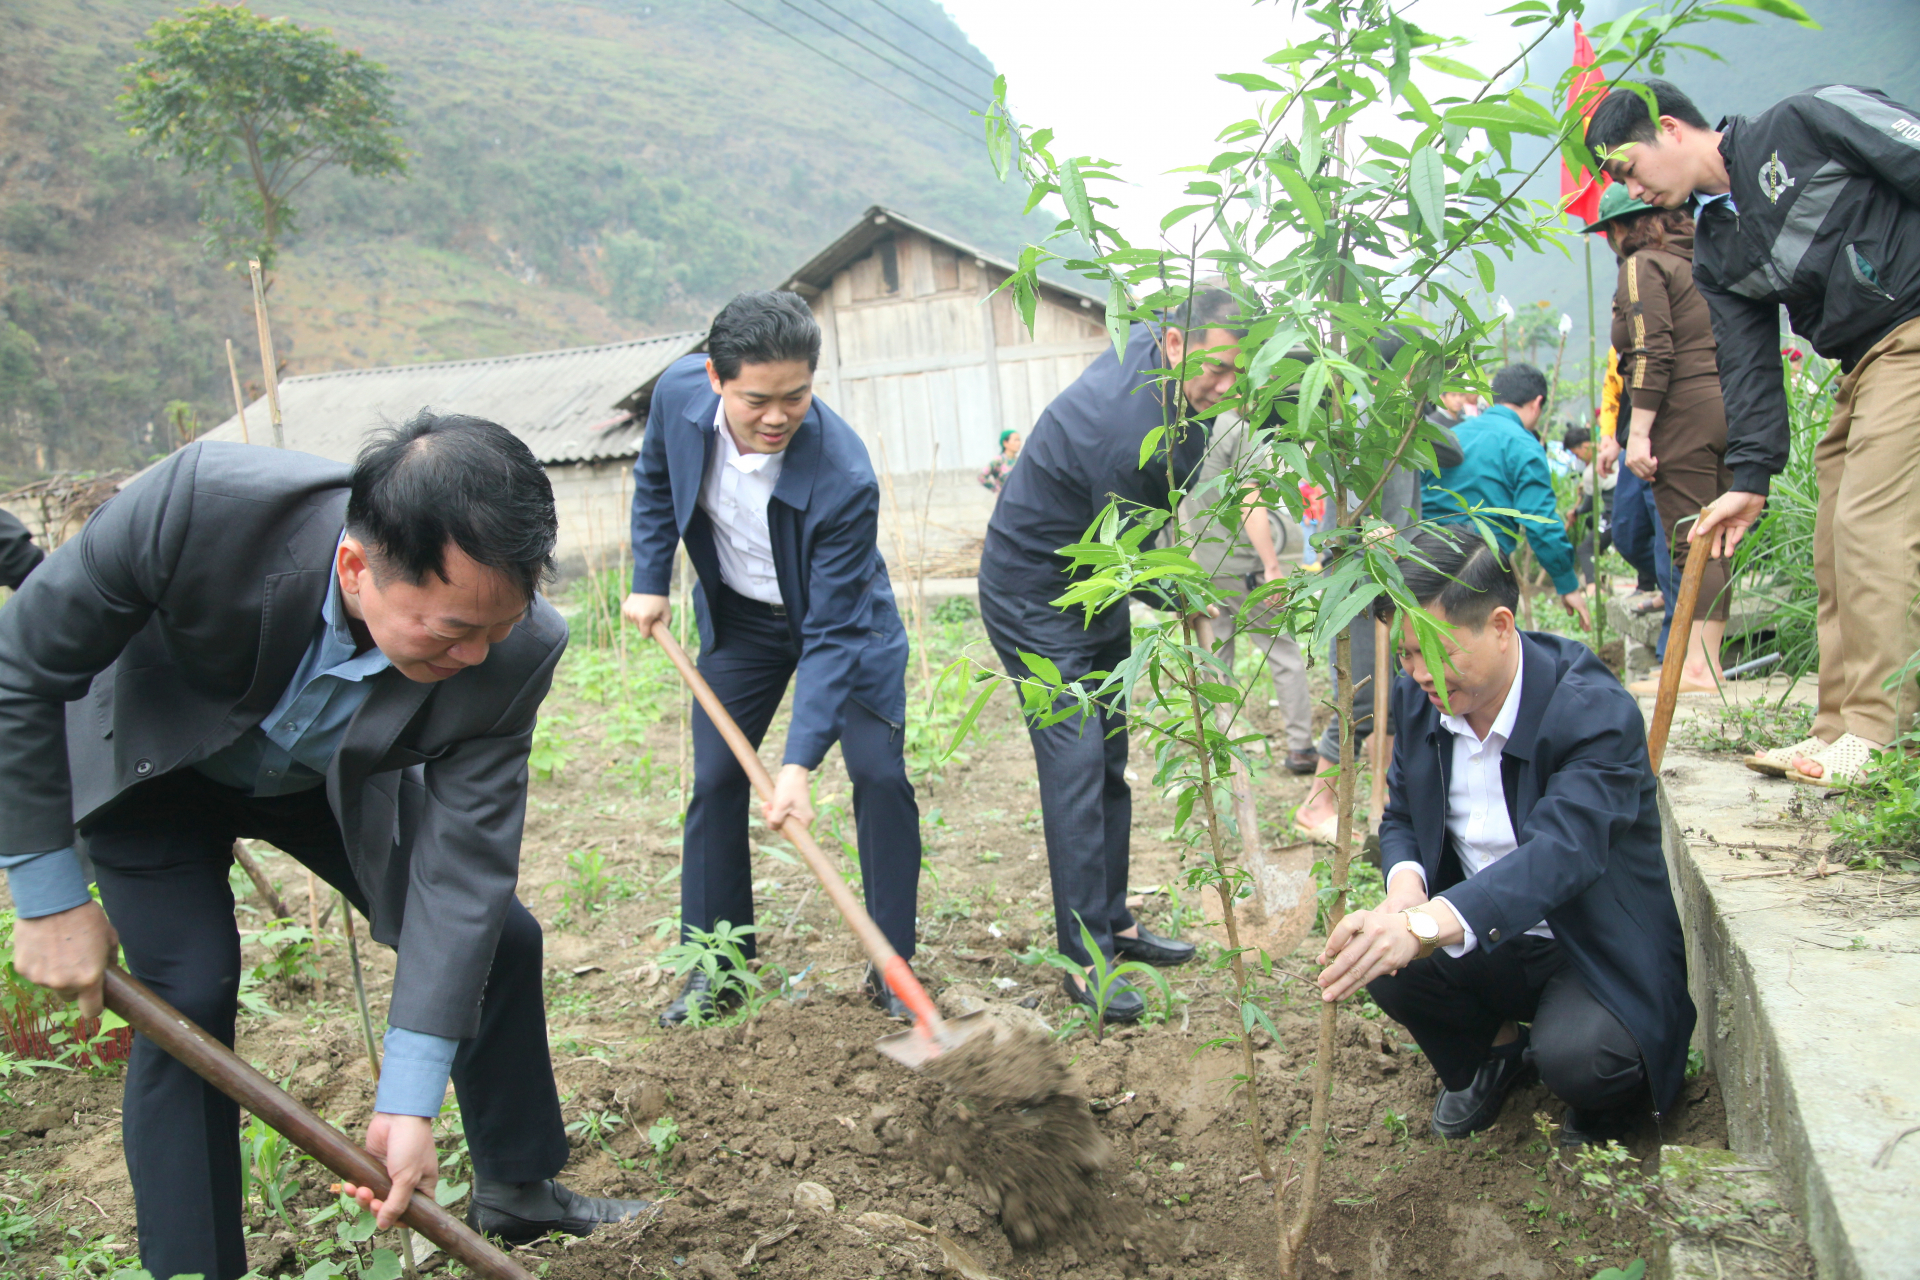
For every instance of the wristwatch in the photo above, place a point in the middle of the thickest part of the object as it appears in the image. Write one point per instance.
(1425, 929)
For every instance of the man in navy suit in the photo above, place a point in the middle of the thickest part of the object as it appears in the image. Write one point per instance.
(778, 505)
(1525, 880)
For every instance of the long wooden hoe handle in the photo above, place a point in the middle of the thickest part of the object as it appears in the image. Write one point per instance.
(886, 961)
(1679, 640)
(226, 1071)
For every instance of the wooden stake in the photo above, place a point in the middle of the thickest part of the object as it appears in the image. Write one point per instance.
(261, 885)
(1380, 745)
(1246, 813)
(267, 362)
(1679, 640)
(239, 401)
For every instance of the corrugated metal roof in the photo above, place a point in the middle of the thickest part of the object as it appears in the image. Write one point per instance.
(567, 405)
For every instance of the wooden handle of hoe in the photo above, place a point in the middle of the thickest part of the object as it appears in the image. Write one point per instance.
(1679, 640)
(226, 1071)
(886, 961)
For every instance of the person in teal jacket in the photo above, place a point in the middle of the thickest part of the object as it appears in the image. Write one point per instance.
(1506, 467)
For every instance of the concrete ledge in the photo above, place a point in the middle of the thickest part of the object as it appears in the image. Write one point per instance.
(1809, 1016)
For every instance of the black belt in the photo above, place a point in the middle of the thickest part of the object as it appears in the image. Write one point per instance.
(734, 602)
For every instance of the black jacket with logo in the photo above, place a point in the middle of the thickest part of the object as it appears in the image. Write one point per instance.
(1825, 219)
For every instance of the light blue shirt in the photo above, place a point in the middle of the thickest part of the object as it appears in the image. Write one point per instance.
(287, 752)
(1700, 202)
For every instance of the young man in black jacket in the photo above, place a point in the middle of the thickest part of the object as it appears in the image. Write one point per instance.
(1815, 205)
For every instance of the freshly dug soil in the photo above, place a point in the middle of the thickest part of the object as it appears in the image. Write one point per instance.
(802, 1152)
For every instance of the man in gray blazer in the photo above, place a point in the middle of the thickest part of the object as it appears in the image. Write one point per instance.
(253, 642)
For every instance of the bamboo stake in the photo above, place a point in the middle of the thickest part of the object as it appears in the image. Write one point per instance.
(261, 885)
(1380, 745)
(1698, 553)
(239, 401)
(268, 366)
(1246, 813)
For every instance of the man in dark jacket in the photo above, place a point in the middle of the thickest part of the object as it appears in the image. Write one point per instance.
(779, 508)
(18, 555)
(1815, 205)
(1522, 842)
(1083, 454)
(258, 642)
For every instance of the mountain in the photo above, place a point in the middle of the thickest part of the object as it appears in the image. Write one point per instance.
(580, 173)
(1861, 42)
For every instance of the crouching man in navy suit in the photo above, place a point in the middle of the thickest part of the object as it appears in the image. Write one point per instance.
(1528, 921)
(779, 508)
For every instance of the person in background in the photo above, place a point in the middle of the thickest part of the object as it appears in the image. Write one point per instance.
(1085, 455)
(1240, 556)
(1636, 521)
(993, 476)
(1505, 466)
(18, 555)
(1813, 204)
(778, 506)
(1578, 442)
(1401, 504)
(1677, 425)
(1528, 922)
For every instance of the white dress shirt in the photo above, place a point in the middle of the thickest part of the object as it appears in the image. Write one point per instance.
(734, 495)
(1477, 816)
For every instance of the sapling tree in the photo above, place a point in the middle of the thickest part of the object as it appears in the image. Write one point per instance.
(1356, 214)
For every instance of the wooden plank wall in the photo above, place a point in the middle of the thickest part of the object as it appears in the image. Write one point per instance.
(915, 355)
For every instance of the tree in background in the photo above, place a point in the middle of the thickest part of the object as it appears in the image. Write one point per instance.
(258, 106)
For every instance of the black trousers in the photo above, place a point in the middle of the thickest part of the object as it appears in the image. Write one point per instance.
(161, 858)
(1454, 1008)
(1086, 806)
(749, 671)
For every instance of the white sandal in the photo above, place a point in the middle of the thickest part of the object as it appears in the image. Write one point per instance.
(1778, 763)
(1844, 763)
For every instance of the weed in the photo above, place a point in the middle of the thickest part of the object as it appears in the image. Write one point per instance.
(1878, 822)
(267, 1161)
(1104, 983)
(588, 885)
(1396, 1125)
(719, 955)
(293, 958)
(1751, 727)
(11, 1066)
(662, 1137)
(549, 755)
(598, 1128)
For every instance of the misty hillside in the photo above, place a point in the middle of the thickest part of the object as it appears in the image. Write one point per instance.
(1872, 43)
(580, 173)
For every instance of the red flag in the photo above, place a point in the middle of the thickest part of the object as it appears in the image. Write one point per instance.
(1580, 196)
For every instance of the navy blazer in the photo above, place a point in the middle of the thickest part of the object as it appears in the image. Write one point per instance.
(1585, 812)
(824, 519)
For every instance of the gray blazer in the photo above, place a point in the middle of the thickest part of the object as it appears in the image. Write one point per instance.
(172, 625)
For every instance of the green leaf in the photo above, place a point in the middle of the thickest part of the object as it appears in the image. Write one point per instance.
(1073, 191)
(1041, 667)
(1271, 353)
(1496, 115)
(1485, 266)
(1304, 201)
(1181, 214)
(1779, 9)
(1117, 307)
(1313, 385)
(1427, 184)
(1312, 140)
(1402, 52)
(1221, 693)
(383, 1265)
(1252, 82)
(1149, 444)
(1447, 66)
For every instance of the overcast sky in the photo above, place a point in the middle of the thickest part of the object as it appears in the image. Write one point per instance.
(1069, 62)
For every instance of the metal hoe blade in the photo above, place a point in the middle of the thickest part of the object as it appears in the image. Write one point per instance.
(916, 1048)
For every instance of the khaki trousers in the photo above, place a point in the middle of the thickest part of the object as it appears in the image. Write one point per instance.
(1866, 543)
(1284, 662)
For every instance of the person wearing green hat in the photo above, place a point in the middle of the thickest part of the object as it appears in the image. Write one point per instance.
(994, 475)
(1676, 437)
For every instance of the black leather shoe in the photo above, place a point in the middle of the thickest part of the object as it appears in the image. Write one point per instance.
(1460, 1112)
(1302, 762)
(1124, 1004)
(524, 1212)
(1594, 1128)
(883, 998)
(699, 993)
(1151, 948)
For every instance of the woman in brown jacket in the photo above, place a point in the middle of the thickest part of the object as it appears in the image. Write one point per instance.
(1677, 434)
